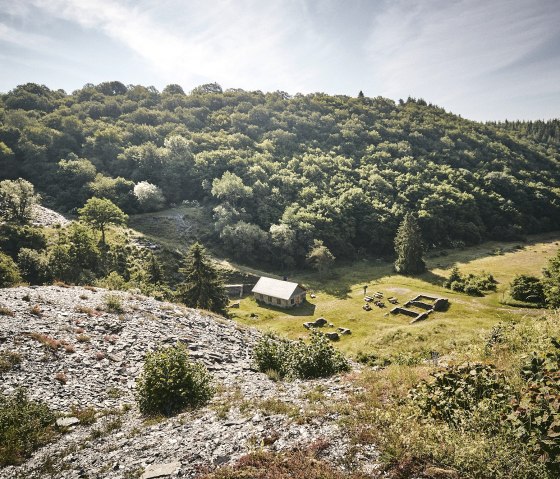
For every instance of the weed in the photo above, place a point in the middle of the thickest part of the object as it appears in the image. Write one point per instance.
(36, 311)
(50, 343)
(271, 406)
(25, 425)
(86, 310)
(6, 311)
(61, 377)
(300, 464)
(86, 415)
(83, 338)
(115, 393)
(113, 303)
(9, 360)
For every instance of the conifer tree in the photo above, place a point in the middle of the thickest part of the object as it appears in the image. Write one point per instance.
(202, 287)
(408, 246)
(153, 270)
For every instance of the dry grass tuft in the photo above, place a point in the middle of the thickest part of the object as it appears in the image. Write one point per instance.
(50, 343)
(6, 312)
(83, 338)
(289, 465)
(61, 377)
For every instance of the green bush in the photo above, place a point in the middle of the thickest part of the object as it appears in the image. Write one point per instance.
(535, 416)
(14, 237)
(458, 392)
(170, 383)
(9, 273)
(34, 266)
(113, 303)
(272, 354)
(527, 288)
(471, 284)
(25, 425)
(315, 359)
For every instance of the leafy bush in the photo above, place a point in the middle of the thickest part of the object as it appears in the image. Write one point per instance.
(457, 392)
(471, 284)
(170, 383)
(25, 425)
(9, 273)
(315, 359)
(113, 303)
(14, 237)
(34, 266)
(271, 353)
(551, 282)
(535, 416)
(527, 288)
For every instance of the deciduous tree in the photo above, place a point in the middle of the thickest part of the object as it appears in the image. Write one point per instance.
(101, 212)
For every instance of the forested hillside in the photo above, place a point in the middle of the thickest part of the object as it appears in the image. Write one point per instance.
(281, 171)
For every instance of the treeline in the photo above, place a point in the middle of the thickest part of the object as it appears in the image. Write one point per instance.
(283, 173)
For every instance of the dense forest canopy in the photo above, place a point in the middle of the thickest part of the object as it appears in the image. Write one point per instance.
(280, 172)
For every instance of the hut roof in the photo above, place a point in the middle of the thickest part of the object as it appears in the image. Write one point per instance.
(276, 288)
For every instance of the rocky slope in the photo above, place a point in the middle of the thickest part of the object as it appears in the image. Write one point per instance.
(76, 355)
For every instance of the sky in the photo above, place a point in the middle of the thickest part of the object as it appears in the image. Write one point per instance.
(481, 59)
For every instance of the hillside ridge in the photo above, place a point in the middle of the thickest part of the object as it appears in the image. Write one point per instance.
(100, 354)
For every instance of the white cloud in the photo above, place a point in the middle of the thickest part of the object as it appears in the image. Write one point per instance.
(447, 51)
(241, 42)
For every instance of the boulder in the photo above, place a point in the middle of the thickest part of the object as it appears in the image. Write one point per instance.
(333, 336)
(320, 322)
(160, 470)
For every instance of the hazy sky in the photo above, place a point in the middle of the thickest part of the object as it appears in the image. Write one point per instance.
(482, 59)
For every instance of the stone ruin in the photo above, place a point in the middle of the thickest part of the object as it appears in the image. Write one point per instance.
(424, 302)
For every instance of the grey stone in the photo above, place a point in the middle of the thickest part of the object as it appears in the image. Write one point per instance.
(67, 421)
(160, 470)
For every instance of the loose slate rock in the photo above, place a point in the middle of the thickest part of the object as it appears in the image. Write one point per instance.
(67, 421)
(160, 470)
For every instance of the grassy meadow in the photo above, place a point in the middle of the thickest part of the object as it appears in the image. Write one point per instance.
(339, 298)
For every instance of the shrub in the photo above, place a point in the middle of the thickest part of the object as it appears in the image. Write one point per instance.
(315, 359)
(14, 237)
(113, 303)
(271, 354)
(25, 425)
(535, 416)
(170, 383)
(112, 281)
(527, 288)
(9, 273)
(34, 266)
(456, 393)
(472, 284)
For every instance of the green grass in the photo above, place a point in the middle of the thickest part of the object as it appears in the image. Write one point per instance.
(339, 298)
